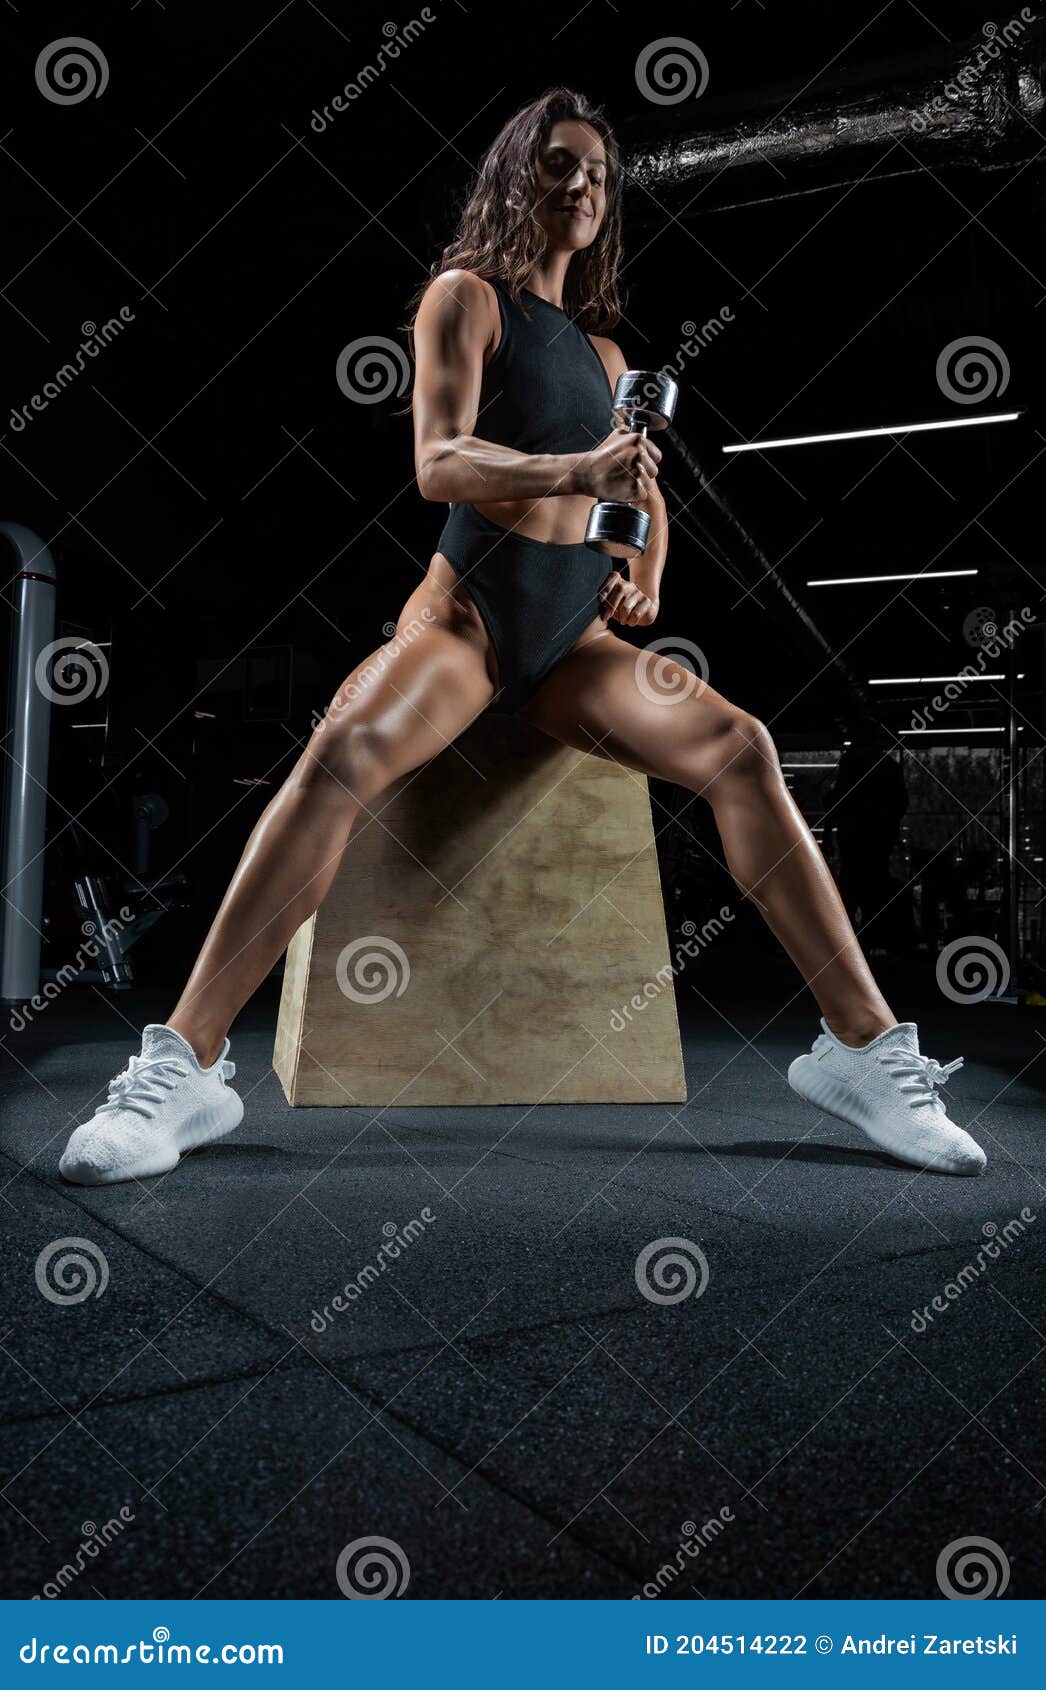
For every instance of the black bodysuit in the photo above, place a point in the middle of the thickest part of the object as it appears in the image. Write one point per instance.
(544, 390)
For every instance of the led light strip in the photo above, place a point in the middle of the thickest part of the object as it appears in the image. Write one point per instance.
(930, 680)
(912, 575)
(870, 433)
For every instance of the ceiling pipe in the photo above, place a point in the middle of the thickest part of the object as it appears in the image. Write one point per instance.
(976, 108)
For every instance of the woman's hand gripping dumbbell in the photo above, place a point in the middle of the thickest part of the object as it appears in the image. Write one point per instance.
(644, 402)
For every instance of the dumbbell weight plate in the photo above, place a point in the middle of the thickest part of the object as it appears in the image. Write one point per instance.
(644, 399)
(617, 529)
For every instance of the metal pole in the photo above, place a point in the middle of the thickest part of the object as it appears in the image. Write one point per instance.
(1013, 877)
(25, 775)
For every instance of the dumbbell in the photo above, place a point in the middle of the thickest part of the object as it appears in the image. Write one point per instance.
(645, 401)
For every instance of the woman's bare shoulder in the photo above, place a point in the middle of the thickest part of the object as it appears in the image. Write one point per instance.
(460, 290)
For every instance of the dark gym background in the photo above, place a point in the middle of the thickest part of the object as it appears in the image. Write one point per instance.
(234, 533)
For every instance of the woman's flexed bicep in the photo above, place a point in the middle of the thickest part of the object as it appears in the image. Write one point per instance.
(453, 329)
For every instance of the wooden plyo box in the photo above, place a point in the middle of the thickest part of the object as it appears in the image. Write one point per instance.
(488, 926)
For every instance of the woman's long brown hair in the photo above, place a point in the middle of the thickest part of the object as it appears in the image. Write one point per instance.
(496, 238)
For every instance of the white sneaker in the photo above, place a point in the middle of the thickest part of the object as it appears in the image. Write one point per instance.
(161, 1105)
(888, 1090)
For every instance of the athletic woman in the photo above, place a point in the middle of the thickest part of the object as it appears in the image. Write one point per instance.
(513, 430)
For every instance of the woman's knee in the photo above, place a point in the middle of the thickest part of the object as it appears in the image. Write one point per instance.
(742, 751)
(350, 754)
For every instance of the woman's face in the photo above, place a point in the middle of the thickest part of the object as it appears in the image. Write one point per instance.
(572, 191)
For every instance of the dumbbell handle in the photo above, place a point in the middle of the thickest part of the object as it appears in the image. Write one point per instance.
(640, 429)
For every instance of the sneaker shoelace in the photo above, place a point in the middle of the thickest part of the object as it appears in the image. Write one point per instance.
(920, 1075)
(142, 1084)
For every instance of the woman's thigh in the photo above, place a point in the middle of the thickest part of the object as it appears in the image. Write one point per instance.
(402, 705)
(640, 709)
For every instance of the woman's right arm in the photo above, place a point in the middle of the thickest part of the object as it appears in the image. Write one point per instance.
(456, 466)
